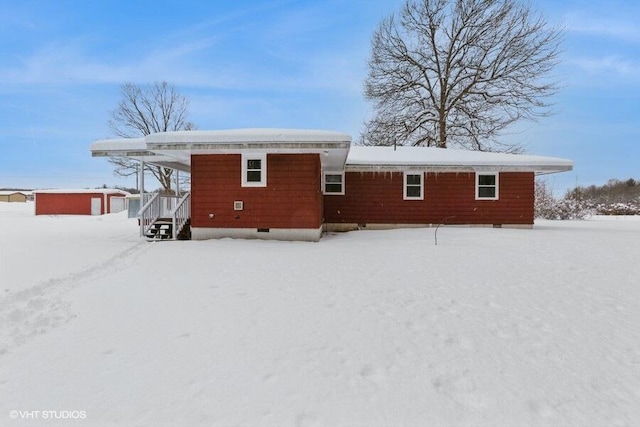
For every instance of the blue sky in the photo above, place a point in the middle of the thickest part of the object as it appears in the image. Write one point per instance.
(297, 63)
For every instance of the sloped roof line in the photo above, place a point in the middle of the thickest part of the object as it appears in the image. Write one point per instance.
(173, 149)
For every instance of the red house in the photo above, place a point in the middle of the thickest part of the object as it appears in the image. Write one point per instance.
(295, 184)
(95, 201)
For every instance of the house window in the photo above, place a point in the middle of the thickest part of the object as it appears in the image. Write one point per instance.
(334, 183)
(486, 186)
(413, 186)
(254, 170)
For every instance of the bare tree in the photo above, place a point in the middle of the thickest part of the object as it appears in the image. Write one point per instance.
(458, 72)
(143, 111)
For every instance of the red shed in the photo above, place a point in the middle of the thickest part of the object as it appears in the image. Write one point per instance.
(93, 201)
(294, 184)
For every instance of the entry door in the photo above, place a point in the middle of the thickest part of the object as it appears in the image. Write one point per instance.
(96, 206)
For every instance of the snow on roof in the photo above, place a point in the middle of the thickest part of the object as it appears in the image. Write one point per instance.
(118, 144)
(258, 135)
(10, 192)
(82, 191)
(441, 158)
(173, 149)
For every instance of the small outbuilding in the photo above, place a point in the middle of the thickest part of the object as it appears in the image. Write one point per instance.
(13, 196)
(92, 201)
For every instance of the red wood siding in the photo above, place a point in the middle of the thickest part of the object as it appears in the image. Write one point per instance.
(291, 199)
(376, 198)
(69, 203)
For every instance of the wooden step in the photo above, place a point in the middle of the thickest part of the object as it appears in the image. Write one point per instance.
(160, 230)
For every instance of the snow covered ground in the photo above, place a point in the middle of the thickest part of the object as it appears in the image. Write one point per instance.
(492, 327)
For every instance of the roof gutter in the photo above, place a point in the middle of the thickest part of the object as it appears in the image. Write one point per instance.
(538, 169)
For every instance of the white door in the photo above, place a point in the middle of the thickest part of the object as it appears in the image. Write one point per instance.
(96, 206)
(117, 204)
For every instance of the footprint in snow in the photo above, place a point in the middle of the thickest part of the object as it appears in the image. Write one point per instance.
(374, 374)
(540, 409)
(306, 420)
(462, 390)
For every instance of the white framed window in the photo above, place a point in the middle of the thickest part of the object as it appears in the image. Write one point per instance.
(254, 170)
(413, 186)
(333, 183)
(487, 186)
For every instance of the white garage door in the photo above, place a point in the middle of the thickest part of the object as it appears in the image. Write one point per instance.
(117, 204)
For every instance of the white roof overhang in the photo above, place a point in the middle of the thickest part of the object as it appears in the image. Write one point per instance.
(136, 149)
(430, 159)
(174, 150)
(332, 146)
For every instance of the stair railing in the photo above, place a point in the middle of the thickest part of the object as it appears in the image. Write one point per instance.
(149, 213)
(181, 214)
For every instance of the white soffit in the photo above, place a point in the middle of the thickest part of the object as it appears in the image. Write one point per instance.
(431, 158)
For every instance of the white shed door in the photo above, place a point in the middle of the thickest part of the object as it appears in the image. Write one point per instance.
(96, 206)
(117, 204)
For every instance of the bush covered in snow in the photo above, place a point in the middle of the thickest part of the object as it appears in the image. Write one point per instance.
(614, 198)
(548, 207)
(618, 209)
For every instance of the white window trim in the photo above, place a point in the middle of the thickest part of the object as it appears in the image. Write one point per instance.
(404, 186)
(263, 175)
(497, 175)
(324, 176)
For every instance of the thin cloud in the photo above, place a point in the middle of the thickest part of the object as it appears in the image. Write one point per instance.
(613, 28)
(607, 66)
(58, 63)
(193, 64)
(226, 52)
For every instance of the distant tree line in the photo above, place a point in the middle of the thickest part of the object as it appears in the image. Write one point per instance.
(616, 197)
(614, 191)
